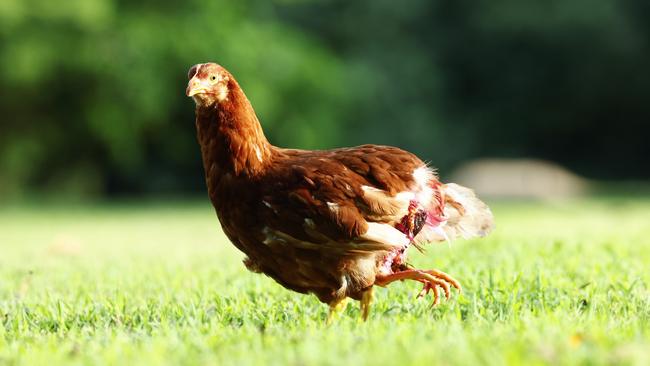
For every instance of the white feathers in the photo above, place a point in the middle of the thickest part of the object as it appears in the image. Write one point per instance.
(464, 215)
(310, 223)
(258, 153)
(395, 207)
(438, 230)
(369, 189)
(473, 219)
(405, 197)
(432, 233)
(271, 237)
(334, 207)
(422, 176)
(422, 190)
(270, 206)
(386, 234)
(401, 199)
(383, 207)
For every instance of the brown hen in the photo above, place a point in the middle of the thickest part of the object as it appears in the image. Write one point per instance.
(333, 223)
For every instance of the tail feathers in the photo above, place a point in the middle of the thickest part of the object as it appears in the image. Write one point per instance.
(467, 216)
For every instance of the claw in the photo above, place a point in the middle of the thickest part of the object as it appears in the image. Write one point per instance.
(425, 290)
(445, 287)
(433, 288)
(445, 277)
(437, 282)
(431, 279)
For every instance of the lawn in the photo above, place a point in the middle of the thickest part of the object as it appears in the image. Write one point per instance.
(158, 284)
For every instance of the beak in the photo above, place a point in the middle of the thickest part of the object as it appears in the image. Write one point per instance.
(195, 86)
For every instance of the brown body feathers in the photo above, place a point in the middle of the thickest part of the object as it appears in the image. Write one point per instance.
(324, 222)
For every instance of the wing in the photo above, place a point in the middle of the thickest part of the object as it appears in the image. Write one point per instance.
(346, 200)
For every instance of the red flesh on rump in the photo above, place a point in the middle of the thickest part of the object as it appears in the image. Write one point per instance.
(412, 223)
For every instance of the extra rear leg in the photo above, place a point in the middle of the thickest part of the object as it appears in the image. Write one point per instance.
(432, 279)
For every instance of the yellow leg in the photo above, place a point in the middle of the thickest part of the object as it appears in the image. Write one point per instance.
(366, 299)
(336, 307)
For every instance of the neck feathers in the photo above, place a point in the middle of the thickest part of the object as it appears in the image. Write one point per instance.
(231, 137)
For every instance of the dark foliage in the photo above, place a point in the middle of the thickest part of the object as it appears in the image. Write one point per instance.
(91, 91)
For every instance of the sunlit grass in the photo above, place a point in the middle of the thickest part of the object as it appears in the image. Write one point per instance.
(159, 284)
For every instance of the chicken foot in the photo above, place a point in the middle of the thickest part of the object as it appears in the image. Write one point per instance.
(366, 299)
(432, 279)
(336, 307)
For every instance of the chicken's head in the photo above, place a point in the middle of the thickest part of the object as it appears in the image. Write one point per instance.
(209, 84)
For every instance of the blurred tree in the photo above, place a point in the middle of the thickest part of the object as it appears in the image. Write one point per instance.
(91, 91)
(560, 80)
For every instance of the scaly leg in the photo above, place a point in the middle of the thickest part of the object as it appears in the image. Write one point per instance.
(430, 278)
(336, 307)
(366, 299)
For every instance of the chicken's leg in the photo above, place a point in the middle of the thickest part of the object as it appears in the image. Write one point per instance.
(336, 307)
(366, 299)
(430, 278)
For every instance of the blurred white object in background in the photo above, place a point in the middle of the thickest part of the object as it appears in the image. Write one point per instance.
(519, 178)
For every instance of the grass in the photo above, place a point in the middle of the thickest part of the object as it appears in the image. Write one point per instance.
(160, 285)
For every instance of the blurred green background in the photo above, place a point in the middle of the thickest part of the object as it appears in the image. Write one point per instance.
(92, 97)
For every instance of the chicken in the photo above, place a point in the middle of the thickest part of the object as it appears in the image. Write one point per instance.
(333, 223)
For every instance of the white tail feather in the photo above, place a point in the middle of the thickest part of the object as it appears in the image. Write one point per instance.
(476, 220)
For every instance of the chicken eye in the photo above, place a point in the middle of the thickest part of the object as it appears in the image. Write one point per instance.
(213, 78)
